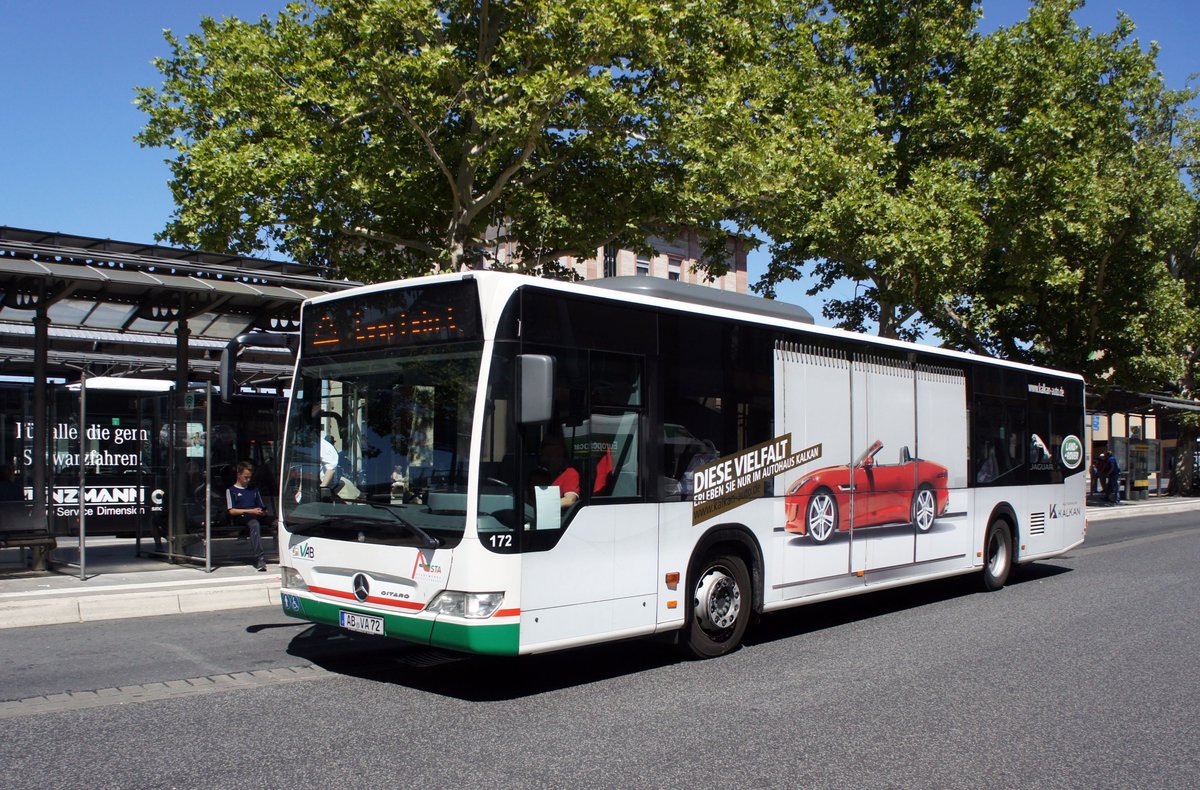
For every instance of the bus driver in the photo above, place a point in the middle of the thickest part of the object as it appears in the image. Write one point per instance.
(555, 471)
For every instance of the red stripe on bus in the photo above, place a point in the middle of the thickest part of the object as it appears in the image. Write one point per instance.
(370, 599)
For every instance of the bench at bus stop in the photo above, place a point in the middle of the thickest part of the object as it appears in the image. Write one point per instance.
(18, 531)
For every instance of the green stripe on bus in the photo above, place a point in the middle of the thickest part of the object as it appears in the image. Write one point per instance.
(496, 640)
(499, 640)
(412, 629)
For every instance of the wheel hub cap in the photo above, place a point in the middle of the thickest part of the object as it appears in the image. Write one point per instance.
(718, 600)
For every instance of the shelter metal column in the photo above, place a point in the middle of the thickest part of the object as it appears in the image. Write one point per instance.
(83, 448)
(179, 481)
(41, 422)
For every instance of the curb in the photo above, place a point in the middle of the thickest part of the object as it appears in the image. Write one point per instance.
(1141, 508)
(21, 610)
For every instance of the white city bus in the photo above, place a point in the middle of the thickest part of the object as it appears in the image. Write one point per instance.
(499, 464)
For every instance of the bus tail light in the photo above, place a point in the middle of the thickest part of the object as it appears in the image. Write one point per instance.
(475, 606)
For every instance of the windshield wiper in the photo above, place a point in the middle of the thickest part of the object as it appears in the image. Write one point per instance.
(368, 530)
(430, 540)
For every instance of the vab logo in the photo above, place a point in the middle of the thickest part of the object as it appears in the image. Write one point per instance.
(304, 552)
(361, 587)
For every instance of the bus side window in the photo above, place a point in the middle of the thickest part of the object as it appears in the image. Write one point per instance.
(616, 411)
(1000, 445)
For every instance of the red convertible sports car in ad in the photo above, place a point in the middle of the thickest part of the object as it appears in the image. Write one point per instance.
(912, 491)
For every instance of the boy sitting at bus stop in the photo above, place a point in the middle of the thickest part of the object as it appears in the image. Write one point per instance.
(245, 506)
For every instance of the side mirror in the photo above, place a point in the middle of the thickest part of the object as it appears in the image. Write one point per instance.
(535, 382)
(227, 373)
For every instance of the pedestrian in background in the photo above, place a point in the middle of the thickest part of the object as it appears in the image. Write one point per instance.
(1112, 477)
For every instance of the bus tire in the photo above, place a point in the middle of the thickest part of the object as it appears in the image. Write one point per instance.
(997, 555)
(719, 608)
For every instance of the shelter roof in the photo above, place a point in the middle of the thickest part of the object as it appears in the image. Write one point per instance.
(114, 307)
(1127, 401)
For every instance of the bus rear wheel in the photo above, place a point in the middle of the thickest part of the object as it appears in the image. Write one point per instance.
(720, 607)
(997, 555)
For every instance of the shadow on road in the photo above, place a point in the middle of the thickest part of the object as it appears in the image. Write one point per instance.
(473, 678)
(818, 617)
(493, 679)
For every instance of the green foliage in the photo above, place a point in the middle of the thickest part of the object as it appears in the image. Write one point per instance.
(894, 207)
(1019, 192)
(396, 137)
(1081, 200)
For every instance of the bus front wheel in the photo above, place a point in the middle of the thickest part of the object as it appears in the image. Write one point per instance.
(997, 555)
(720, 607)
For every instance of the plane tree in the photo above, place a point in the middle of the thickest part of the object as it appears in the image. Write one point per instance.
(1017, 193)
(895, 210)
(1081, 199)
(400, 137)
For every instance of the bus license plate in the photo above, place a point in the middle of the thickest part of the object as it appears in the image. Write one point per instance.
(363, 623)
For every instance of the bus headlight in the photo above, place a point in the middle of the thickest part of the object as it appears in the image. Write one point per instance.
(290, 579)
(475, 606)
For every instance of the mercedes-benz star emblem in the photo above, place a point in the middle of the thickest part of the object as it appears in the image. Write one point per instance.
(362, 587)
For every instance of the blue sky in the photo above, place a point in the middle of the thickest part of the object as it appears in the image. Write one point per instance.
(68, 68)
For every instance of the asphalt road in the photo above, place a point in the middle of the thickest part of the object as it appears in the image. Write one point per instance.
(1081, 674)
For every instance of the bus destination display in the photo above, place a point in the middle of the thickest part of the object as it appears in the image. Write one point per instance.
(439, 313)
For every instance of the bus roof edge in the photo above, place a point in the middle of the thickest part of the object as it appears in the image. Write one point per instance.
(703, 295)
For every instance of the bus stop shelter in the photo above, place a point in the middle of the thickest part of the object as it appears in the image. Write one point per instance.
(74, 308)
(1142, 430)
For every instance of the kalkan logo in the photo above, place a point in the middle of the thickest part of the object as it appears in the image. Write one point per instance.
(1065, 511)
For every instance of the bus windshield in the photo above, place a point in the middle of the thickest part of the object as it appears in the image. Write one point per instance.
(377, 449)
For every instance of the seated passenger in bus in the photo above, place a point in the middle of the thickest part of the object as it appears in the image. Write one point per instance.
(553, 470)
(989, 469)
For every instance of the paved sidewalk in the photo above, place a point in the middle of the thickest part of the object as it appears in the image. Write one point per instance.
(119, 584)
(1097, 510)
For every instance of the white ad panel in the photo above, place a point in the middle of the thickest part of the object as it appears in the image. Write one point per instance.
(942, 439)
(812, 403)
(876, 479)
(885, 471)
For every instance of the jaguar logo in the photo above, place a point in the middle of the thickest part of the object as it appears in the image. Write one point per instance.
(362, 588)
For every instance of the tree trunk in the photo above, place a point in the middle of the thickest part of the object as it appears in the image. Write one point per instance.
(1185, 458)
